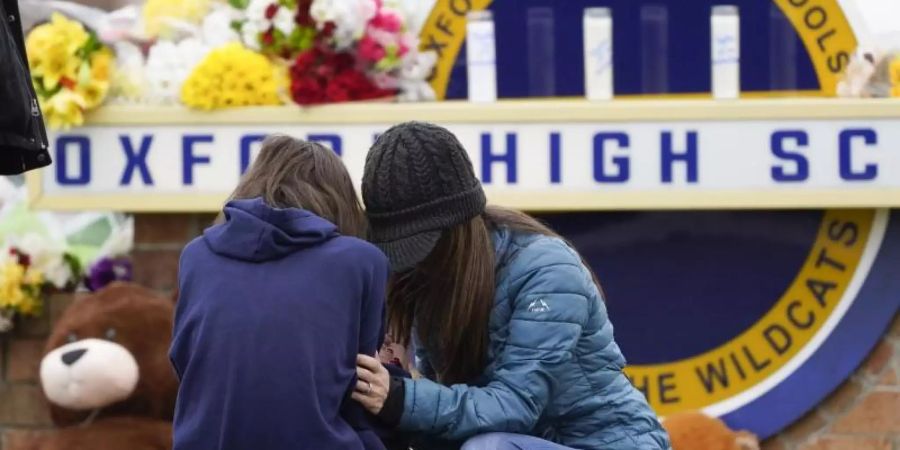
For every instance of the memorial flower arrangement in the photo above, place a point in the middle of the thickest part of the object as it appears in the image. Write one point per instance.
(70, 69)
(209, 54)
(29, 267)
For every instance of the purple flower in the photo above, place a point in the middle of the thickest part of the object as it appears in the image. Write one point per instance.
(107, 270)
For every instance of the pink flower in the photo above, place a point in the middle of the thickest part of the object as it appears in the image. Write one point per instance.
(369, 50)
(388, 21)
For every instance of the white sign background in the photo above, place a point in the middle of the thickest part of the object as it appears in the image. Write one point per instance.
(729, 155)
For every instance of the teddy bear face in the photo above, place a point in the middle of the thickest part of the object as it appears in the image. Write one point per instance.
(109, 353)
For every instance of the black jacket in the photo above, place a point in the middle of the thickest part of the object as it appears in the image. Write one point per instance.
(23, 139)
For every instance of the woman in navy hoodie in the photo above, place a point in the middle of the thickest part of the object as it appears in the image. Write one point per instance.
(275, 302)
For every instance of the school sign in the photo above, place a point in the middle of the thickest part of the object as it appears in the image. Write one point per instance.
(540, 155)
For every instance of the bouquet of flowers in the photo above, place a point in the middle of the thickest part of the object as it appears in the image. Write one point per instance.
(279, 28)
(232, 75)
(70, 70)
(28, 268)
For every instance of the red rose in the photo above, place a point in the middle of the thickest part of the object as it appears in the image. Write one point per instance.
(271, 10)
(325, 70)
(307, 91)
(336, 93)
(303, 18)
(328, 29)
(305, 61)
(340, 61)
(268, 38)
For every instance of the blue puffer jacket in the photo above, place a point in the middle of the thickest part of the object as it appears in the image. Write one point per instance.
(554, 369)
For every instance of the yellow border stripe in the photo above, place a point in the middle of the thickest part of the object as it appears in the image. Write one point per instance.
(515, 111)
(444, 32)
(826, 34)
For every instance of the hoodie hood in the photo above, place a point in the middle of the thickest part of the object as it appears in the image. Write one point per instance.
(256, 232)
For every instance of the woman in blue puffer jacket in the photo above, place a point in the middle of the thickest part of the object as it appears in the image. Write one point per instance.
(509, 325)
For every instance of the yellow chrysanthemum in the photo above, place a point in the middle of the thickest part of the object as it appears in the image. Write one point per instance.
(51, 48)
(232, 75)
(187, 10)
(64, 110)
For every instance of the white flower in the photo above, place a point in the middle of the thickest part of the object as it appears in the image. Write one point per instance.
(284, 21)
(250, 35)
(47, 257)
(256, 13)
(216, 28)
(129, 85)
(169, 64)
(350, 18)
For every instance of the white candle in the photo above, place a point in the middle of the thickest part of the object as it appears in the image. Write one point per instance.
(481, 61)
(725, 52)
(598, 54)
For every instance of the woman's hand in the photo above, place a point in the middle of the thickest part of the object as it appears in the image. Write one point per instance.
(372, 384)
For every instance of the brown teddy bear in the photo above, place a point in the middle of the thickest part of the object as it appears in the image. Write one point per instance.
(106, 372)
(696, 431)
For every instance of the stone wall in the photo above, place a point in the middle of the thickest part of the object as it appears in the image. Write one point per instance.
(863, 414)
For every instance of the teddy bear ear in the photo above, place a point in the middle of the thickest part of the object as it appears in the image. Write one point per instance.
(746, 440)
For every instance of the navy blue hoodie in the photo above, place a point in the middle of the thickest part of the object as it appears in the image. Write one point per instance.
(274, 306)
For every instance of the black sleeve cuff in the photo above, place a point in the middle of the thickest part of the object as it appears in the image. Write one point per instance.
(392, 409)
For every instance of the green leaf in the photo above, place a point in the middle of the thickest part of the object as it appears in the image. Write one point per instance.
(90, 46)
(239, 4)
(236, 25)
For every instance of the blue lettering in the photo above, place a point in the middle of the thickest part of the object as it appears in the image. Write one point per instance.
(83, 177)
(136, 160)
(246, 142)
(777, 144)
(870, 171)
(488, 158)
(621, 162)
(669, 157)
(555, 158)
(189, 159)
(332, 140)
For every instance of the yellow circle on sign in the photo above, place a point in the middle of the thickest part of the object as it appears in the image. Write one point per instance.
(778, 336)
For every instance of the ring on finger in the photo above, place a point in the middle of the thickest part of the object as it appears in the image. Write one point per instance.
(368, 387)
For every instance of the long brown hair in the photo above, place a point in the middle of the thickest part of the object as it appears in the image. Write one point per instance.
(449, 296)
(291, 173)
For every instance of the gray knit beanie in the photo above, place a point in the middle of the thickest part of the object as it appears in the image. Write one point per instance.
(418, 182)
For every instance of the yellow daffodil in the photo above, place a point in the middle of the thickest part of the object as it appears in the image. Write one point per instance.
(101, 64)
(232, 75)
(52, 50)
(93, 92)
(64, 110)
